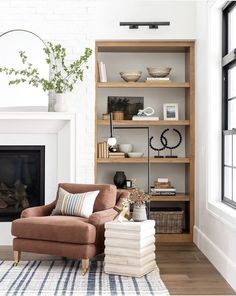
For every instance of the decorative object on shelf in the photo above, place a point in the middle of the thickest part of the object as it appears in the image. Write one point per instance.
(135, 154)
(157, 149)
(139, 199)
(163, 187)
(116, 154)
(151, 25)
(111, 140)
(105, 116)
(62, 77)
(165, 145)
(102, 72)
(129, 105)
(170, 111)
(126, 148)
(145, 114)
(164, 142)
(158, 72)
(128, 184)
(118, 115)
(123, 209)
(119, 179)
(102, 150)
(131, 76)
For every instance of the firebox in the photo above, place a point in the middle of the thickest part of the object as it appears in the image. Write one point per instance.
(22, 179)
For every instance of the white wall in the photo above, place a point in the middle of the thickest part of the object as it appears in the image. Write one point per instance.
(215, 223)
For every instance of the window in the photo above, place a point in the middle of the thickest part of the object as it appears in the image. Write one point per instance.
(229, 105)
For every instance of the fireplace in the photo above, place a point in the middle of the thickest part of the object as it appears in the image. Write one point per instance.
(22, 179)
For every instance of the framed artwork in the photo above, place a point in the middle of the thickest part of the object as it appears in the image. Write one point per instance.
(128, 105)
(170, 112)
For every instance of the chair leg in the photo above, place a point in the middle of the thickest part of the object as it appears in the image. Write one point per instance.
(85, 265)
(17, 255)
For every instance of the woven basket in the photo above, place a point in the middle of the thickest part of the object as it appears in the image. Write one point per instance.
(168, 221)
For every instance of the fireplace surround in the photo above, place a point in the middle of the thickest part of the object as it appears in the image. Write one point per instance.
(22, 179)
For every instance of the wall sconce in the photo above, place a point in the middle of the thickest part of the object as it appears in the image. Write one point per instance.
(151, 25)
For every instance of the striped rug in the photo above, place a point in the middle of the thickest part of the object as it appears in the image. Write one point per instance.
(44, 278)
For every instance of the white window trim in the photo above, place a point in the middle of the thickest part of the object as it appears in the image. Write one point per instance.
(214, 205)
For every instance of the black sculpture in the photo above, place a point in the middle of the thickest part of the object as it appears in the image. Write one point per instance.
(165, 145)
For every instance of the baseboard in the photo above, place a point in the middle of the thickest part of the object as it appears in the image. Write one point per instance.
(217, 257)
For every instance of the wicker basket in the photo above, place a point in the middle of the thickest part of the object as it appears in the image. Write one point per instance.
(168, 221)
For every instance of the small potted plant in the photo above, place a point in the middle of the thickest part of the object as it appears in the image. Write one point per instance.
(139, 199)
(62, 76)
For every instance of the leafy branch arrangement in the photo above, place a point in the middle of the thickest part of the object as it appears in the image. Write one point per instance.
(138, 197)
(62, 77)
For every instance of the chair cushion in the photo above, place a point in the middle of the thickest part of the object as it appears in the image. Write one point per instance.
(78, 204)
(106, 198)
(55, 228)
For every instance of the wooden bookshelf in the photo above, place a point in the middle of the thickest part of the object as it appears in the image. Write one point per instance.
(184, 84)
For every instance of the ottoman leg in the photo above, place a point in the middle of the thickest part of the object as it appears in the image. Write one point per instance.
(17, 255)
(85, 265)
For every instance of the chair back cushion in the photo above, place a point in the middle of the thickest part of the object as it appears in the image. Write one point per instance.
(106, 198)
(75, 204)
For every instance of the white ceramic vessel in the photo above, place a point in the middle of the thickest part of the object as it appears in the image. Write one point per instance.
(131, 76)
(158, 72)
(126, 148)
(135, 154)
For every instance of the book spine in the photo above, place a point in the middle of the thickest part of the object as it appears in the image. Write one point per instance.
(104, 72)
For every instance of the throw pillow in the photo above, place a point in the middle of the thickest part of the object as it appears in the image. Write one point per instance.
(78, 204)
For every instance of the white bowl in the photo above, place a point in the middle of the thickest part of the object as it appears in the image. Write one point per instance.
(135, 154)
(126, 148)
(131, 76)
(158, 72)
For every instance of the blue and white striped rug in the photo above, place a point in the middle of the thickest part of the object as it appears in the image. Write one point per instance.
(44, 278)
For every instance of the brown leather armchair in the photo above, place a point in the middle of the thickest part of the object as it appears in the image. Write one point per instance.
(73, 237)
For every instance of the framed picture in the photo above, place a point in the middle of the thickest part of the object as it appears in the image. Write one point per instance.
(128, 184)
(128, 105)
(170, 112)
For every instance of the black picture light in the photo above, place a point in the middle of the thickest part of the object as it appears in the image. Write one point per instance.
(151, 25)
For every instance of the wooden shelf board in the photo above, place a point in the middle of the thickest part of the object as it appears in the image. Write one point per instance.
(144, 160)
(143, 85)
(143, 122)
(177, 197)
(143, 46)
(174, 237)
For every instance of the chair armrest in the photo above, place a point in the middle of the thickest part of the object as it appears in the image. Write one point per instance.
(38, 211)
(101, 217)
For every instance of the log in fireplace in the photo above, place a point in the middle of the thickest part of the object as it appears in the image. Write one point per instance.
(22, 179)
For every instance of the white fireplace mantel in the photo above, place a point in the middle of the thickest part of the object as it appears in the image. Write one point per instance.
(34, 122)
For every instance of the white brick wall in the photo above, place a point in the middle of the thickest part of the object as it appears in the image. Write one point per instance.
(77, 24)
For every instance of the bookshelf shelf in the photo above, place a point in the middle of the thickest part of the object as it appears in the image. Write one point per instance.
(177, 197)
(143, 84)
(139, 160)
(143, 122)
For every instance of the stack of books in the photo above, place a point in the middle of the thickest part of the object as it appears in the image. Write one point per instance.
(155, 79)
(116, 155)
(163, 187)
(102, 72)
(102, 150)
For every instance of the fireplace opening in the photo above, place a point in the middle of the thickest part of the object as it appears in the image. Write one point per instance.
(22, 179)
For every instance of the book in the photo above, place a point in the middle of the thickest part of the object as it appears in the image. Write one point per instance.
(163, 193)
(163, 189)
(158, 79)
(102, 72)
(137, 117)
(164, 180)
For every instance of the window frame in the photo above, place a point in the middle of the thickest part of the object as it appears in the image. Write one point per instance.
(228, 61)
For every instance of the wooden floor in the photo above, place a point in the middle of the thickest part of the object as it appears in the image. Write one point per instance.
(184, 270)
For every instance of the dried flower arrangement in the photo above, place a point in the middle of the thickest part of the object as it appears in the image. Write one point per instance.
(138, 197)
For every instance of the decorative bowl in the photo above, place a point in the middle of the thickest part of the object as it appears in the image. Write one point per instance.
(158, 72)
(131, 76)
(135, 154)
(126, 148)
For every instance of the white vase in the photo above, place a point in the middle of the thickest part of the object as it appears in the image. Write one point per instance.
(139, 213)
(60, 103)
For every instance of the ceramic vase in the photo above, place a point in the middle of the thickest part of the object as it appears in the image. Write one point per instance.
(139, 213)
(119, 179)
(60, 103)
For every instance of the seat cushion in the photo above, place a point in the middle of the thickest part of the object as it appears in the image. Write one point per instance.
(55, 228)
